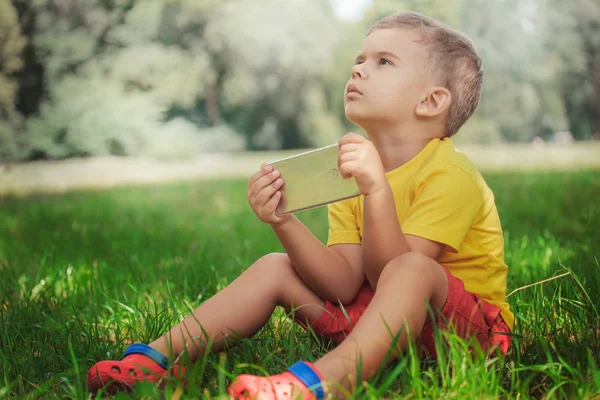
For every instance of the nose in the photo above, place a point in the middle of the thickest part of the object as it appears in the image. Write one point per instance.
(358, 71)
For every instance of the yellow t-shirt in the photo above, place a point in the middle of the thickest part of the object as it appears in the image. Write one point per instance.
(441, 196)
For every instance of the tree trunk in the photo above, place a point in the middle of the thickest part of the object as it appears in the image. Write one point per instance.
(212, 104)
(32, 86)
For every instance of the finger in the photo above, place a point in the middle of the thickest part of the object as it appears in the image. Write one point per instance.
(345, 175)
(351, 137)
(346, 157)
(347, 147)
(271, 205)
(263, 182)
(348, 169)
(265, 194)
(264, 169)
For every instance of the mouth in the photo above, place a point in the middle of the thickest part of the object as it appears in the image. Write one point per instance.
(351, 88)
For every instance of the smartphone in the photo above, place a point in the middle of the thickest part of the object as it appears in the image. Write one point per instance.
(312, 179)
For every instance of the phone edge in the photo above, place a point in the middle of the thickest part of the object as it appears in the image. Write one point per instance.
(302, 154)
(318, 205)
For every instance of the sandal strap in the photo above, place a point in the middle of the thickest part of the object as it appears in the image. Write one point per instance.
(307, 375)
(145, 350)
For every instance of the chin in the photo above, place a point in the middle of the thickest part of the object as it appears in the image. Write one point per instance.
(354, 116)
(361, 122)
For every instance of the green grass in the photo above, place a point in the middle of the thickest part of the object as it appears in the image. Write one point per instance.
(84, 274)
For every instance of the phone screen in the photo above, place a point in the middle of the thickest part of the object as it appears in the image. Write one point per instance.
(312, 179)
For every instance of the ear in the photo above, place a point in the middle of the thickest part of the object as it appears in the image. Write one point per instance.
(436, 101)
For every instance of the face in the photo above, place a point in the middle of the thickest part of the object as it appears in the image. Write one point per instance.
(388, 79)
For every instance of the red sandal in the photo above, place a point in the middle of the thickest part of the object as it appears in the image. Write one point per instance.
(139, 363)
(300, 382)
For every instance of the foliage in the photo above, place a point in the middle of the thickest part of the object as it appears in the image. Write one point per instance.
(12, 43)
(271, 71)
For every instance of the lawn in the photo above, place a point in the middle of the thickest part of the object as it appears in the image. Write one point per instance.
(86, 273)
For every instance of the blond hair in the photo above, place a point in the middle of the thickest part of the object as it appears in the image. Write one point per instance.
(455, 62)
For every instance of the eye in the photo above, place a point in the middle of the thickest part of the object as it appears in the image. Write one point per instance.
(384, 61)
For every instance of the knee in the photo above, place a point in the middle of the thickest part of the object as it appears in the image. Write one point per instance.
(411, 262)
(275, 265)
(415, 267)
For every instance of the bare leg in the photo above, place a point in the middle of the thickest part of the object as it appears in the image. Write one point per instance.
(405, 285)
(243, 307)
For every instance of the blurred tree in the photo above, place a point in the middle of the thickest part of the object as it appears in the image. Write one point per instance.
(174, 78)
(446, 11)
(31, 77)
(515, 96)
(272, 79)
(571, 31)
(350, 40)
(518, 102)
(113, 73)
(12, 43)
(203, 62)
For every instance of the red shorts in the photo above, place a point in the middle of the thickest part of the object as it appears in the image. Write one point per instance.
(469, 316)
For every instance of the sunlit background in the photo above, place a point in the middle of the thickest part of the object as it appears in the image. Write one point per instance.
(177, 80)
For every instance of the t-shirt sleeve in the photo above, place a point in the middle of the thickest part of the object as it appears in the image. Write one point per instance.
(447, 201)
(342, 224)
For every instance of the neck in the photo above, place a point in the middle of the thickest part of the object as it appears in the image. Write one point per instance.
(398, 145)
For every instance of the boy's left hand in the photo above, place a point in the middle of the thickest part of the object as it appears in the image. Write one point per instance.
(358, 157)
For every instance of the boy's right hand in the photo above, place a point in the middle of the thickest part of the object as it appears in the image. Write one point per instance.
(264, 195)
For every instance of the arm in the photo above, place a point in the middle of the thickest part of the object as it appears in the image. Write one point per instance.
(383, 239)
(333, 272)
(447, 201)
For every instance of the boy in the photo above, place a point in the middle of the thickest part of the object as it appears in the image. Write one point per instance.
(425, 231)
